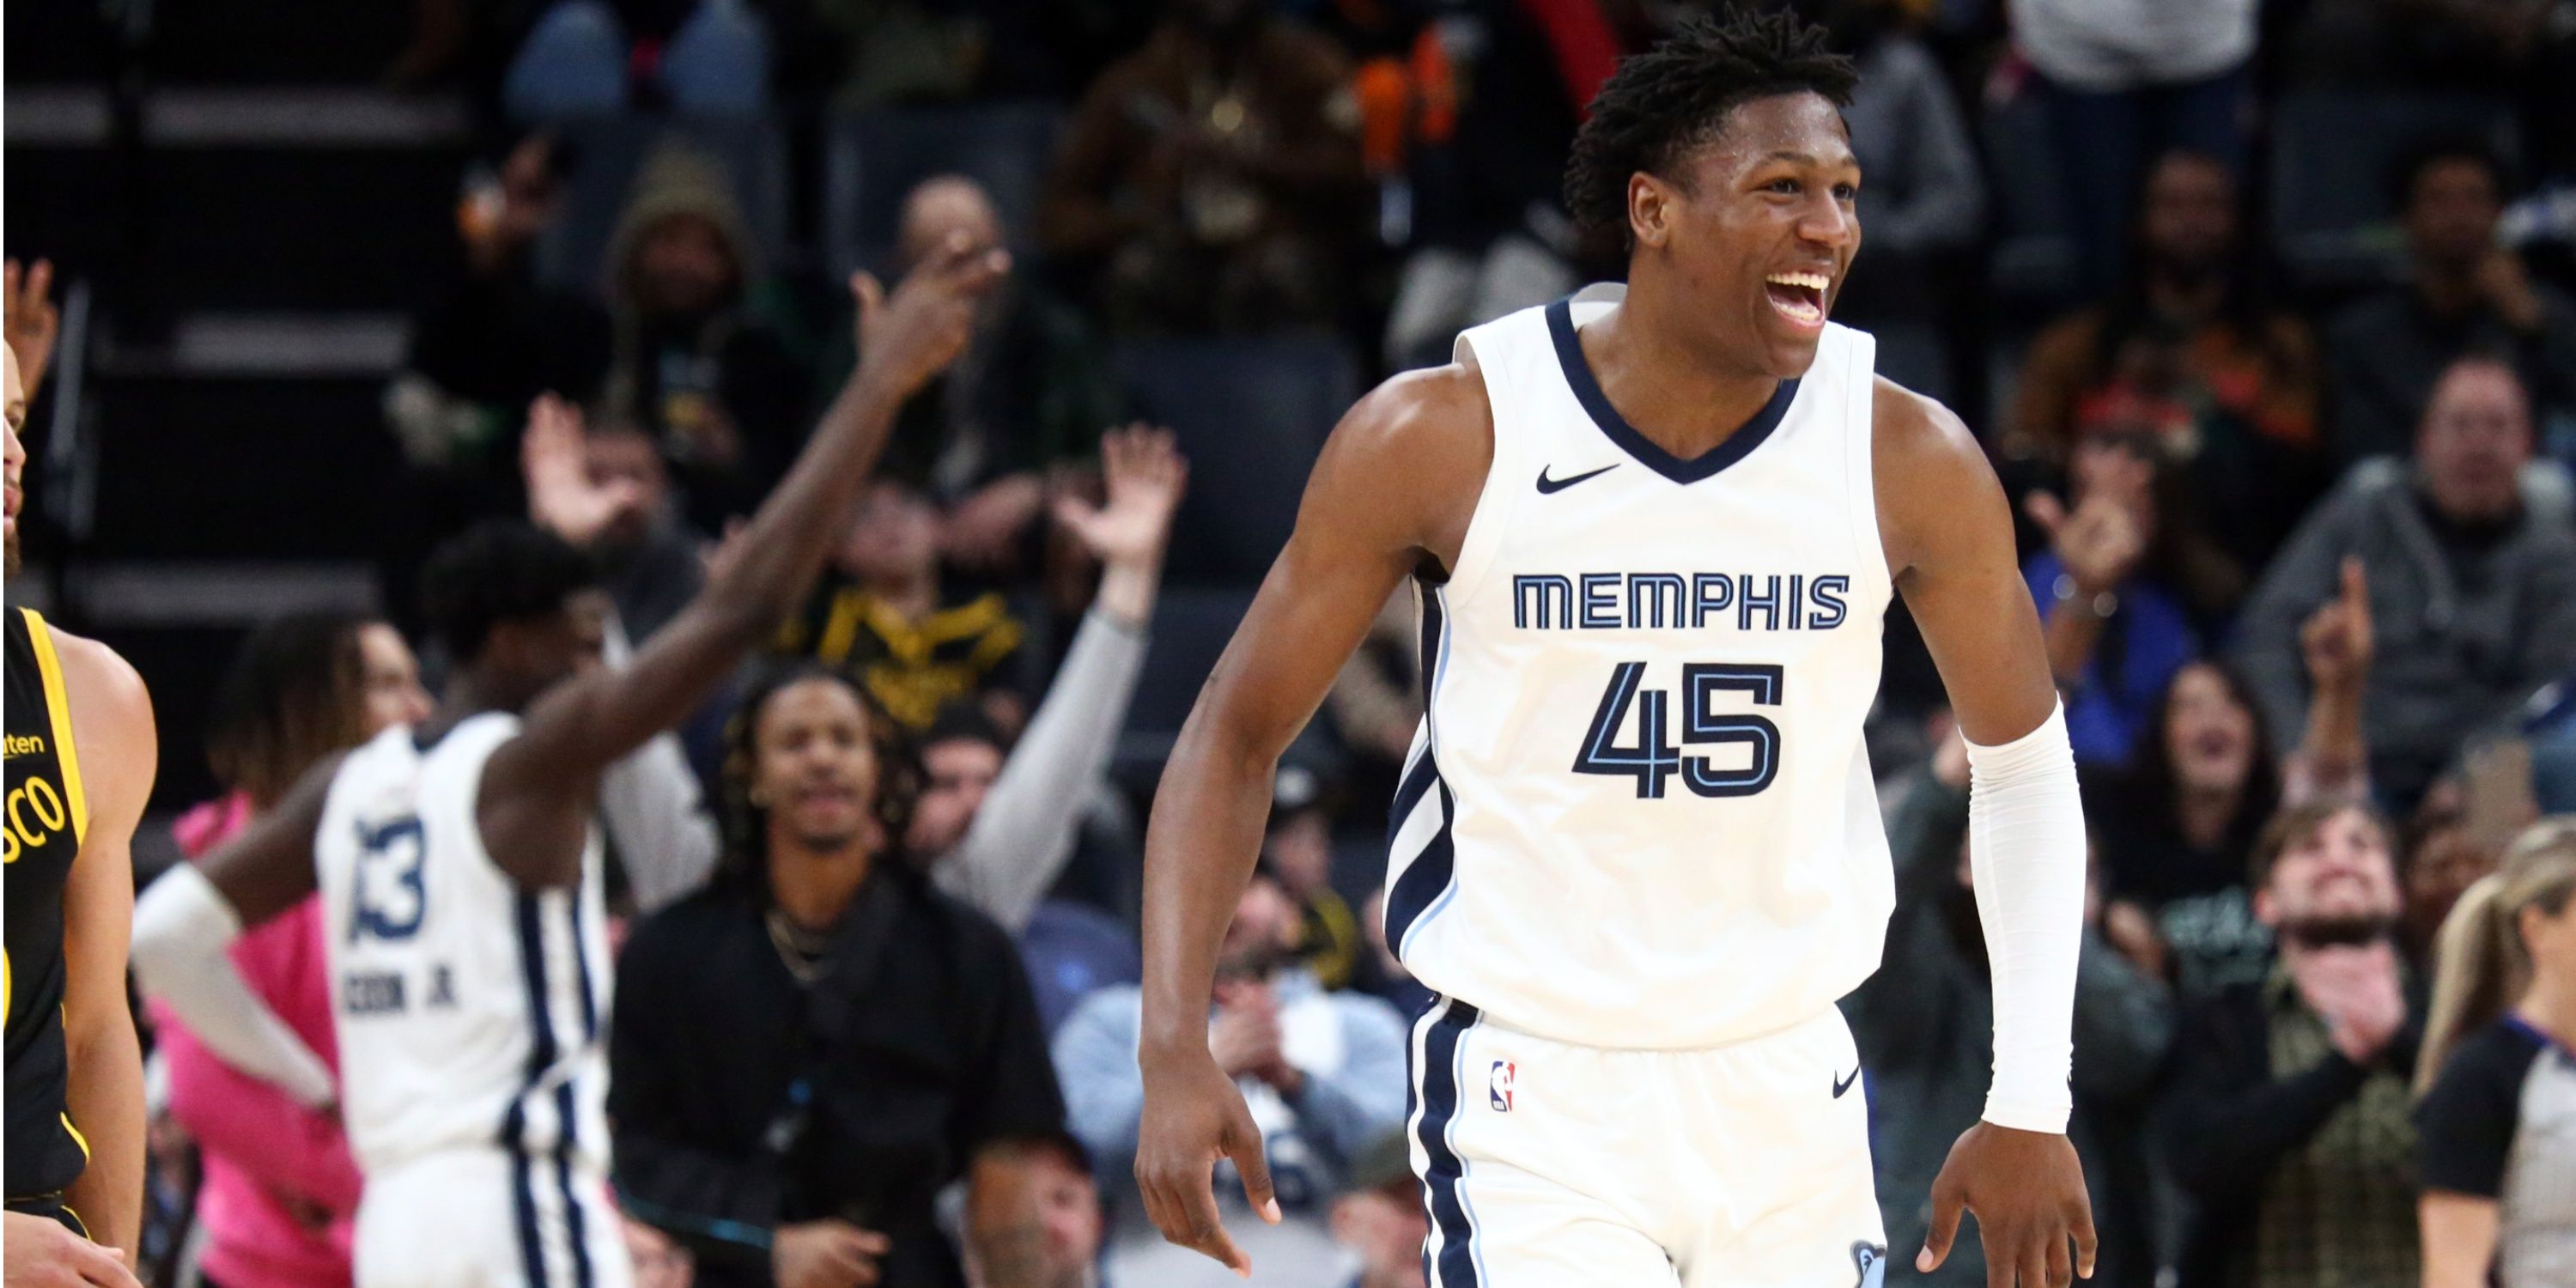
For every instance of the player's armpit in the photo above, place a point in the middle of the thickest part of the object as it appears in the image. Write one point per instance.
(1948, 535)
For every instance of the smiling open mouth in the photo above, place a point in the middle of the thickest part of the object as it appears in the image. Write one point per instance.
(1799, 297)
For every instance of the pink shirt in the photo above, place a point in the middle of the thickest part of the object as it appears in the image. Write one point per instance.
(281, 1190)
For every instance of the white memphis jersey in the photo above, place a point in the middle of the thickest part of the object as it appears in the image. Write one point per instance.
(471, 1012)
(1639, 812)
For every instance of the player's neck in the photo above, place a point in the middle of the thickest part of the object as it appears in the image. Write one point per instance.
(464, 700)
(814, 886)
(1683, 399)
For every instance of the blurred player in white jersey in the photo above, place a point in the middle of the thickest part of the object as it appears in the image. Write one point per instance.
(461, 874)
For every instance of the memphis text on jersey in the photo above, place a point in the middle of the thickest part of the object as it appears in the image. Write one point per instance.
(1609, 601)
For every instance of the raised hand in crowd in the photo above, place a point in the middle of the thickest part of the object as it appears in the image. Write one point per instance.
(2506, 287)
(2098, 542)
(562, 496)
(911, 336)
(32, 322)
(826, 1254)
(2336, 640)
(1144, 478)
(2337, 646)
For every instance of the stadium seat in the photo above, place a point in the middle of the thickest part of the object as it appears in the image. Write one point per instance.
(1250, 414)
(2333, 156)
(607, 154)
(871, 159)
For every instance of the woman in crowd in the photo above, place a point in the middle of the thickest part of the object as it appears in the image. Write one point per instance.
(2175, 830)
(2497, 1125)
(279, 1187)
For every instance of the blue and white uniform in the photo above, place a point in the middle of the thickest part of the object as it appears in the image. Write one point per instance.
(1637, 849)
(471, 1018)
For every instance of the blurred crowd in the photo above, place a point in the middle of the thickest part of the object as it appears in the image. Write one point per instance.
(2302, 538)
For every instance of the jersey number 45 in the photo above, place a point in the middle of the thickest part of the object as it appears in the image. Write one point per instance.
(1654, 758)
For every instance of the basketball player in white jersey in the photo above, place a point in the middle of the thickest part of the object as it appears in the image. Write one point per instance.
(460, 873)
(1636, 852)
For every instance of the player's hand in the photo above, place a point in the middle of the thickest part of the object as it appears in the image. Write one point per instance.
(826, 1254)
(561, 496)
(2027, 1190)
(28, 315)
(38, 1253)
(2336, 641)
(1194, 1115)
(912, 336)
(1144, 478)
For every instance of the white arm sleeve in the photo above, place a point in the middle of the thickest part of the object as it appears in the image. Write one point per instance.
(2026, 851)
(182, 929)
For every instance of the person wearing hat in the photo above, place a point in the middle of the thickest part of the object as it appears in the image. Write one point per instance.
(1379, 1217)
(690, 360)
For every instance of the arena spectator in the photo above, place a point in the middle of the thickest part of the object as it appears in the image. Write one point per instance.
(2176, 830)
(586, 59)
(1211, 181)
(1069, 1208)
(690, 360)
(279, 1191)
(2124, 80)
(1323, 1073)
(1381, 974)
(2116, 591)
(1928, 1013)
(2465, 294)
(2493, 51)
(2194, 349)
(884, 614)
(2288, 1109)
(2499, 1067)
(1379, 1217)
(619, 511)
(878, 1042)
(2443, 859)
(2472, 582)
(1023, 404)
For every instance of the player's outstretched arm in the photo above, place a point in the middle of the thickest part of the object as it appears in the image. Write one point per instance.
(1948, 536)
(112, 731)
(1397, 481)
(536, 791)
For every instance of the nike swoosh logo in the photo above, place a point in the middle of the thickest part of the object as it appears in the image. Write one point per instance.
(1842, 1085)
(1547, 485)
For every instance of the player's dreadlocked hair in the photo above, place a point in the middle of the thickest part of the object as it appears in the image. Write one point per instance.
(1675, 96)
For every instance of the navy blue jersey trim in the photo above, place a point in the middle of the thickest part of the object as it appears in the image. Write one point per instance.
(1437, 1080)
(1587, 390)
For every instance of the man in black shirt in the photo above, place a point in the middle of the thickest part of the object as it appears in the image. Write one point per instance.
(806, 1053)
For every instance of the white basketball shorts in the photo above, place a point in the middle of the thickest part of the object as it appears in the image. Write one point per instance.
(1545, 1164)
(490, 1219)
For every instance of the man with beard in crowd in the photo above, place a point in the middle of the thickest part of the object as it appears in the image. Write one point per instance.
(2290, 1098)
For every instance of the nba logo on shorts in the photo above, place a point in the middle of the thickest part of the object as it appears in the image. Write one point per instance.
(1498, 1085)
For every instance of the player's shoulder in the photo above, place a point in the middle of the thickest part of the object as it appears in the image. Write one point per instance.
(1917, 428)
(1441, 408)
(111, 708)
